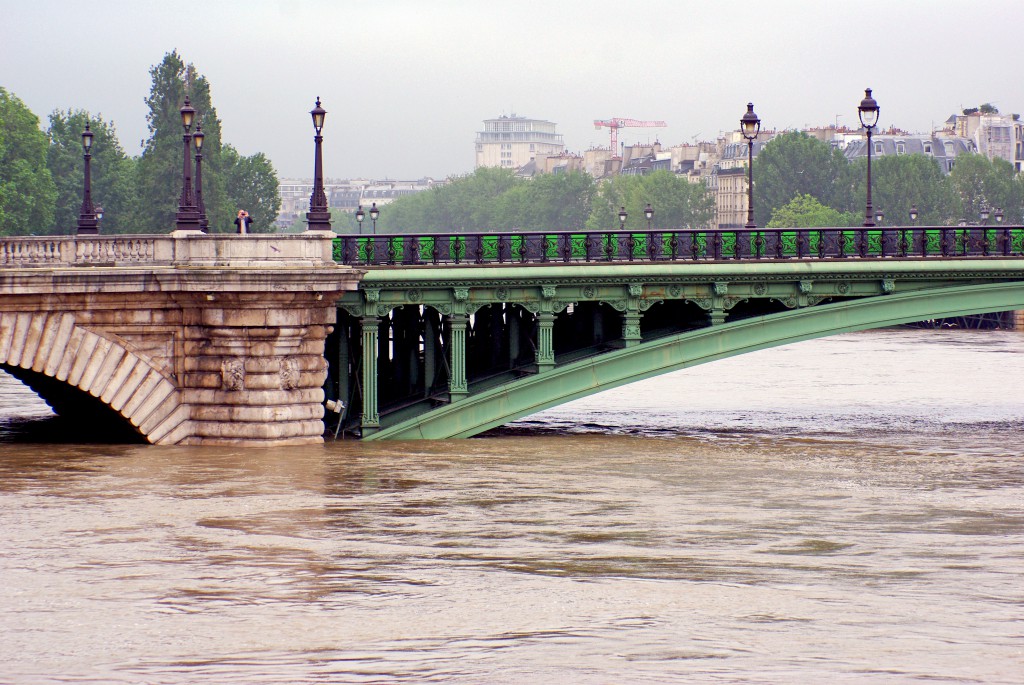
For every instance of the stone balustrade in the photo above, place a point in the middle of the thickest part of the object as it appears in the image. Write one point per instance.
(178, 248)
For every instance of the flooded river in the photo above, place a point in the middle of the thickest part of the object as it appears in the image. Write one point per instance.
(849, 509)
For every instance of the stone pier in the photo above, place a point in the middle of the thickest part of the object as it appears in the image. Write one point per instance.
(193, 339)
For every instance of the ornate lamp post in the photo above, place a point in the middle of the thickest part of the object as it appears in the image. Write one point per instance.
(87, 223)
(998, 216)
(649, 214)
(374, 213)
(913, 214)
(622, 218)
(879, 216)
(187, 218)
(984, 214)
(319, 216)
(198, 139)
(360, 215)
(868, 112)
(750, 126)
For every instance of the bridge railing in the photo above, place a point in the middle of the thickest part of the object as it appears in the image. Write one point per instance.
(679, 245)
(191, 248)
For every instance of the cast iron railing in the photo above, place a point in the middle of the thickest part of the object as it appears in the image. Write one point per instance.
(679, 245)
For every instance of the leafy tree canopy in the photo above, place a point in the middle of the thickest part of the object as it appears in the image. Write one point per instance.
(112, 172)
(804, 211)
(794, 164)
(27, 190)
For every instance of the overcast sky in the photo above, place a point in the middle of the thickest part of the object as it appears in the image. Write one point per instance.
(408, 83)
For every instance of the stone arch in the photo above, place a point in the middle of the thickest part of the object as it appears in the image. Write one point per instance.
(55, 346)
(562, 384)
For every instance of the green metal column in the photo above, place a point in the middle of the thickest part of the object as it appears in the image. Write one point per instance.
(342, 369)
(545, 341)
(631, 326)
(371, 417)
(457, 386)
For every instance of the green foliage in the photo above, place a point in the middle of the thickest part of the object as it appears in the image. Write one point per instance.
(469, 203)
(794, 164)
(548, 202)
(988, 108)
(251, 184)
(980, 182)
(899, 181)
(112, 172)
(677, 203)
(804, 211)
(230, 181)
(27, 191)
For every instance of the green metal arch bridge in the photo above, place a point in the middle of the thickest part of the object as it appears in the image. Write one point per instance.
(451, 344)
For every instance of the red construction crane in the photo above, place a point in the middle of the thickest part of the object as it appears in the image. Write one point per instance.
(615, 124)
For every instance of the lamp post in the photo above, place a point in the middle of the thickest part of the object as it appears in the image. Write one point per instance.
(879, 216)
(198, 139)
(187, 218)
(649, 214)
(868, 113)
(913, 214)
(984, 214)
(318, 216)
(87, 223)
(750, 126)
(374, 213)
(622, 218)
(360, 215)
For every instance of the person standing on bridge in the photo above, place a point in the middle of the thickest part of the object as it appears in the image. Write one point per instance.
(243, 222)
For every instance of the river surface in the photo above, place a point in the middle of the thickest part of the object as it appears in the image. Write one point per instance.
(842, 510)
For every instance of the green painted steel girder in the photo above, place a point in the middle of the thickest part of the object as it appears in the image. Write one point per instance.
(941, 293)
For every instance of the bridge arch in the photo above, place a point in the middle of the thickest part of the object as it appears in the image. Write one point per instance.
(513, 400)
(51, 352)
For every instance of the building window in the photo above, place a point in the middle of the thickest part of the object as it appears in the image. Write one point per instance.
(927, 148)
(878, 148)
(901, 148)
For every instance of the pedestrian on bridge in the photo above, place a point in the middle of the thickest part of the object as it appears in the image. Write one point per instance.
(243, 222)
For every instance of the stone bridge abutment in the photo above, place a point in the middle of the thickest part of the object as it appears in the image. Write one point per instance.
(192, 339)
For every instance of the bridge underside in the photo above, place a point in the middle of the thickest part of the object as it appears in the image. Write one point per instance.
(449, 353)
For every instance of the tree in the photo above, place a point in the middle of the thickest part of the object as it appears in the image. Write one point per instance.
(677, 203)
(804, 211)
(158, 177)
(794, 164)
(251, 184)
(112, 172)
(468, 203)
(980, 182)
(900, 181)
(549, 202)
(27, 191)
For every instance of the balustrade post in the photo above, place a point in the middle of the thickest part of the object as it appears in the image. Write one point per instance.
(370, 325)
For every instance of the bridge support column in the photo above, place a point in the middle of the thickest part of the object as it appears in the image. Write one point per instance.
(457, 385)
(631, 327)
(545, 341)
(370, 422)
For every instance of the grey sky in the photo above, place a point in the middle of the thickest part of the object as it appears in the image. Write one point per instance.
(407, 83)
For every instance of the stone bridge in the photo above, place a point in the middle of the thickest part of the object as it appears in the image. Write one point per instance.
(185, 338)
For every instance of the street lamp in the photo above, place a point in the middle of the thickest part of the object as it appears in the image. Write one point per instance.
(913, 214)
(879, 216)
(998, 215)
(87, 224)
(984, 214)
(622, 218)
(649, 213)
(374, 213)
(319, 216)
(750, 126)
(187, 218)
(198, 139)
(360, 215)
(868, 113)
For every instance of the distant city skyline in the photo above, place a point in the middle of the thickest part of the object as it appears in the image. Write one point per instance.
(408, 84)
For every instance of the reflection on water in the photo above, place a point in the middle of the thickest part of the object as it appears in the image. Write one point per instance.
(843, 509)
